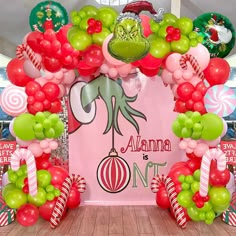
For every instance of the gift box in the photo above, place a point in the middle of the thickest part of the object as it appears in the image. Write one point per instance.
(7, 215)
(229, 216)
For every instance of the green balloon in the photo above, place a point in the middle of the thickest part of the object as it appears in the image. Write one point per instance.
(44, 178)
(162, 31)
(98, 38)
(90, 10)
(12, 176)
(40, 117)
(206, 208)
(170, 18)
(59, 129)
(72, 30)
(39, 199)
(185, 25)
(20, 182)
(195, 186)
(212, 126)
(177, 128)
(7, 188)
(15, 198)
(159, 47)
(193, 213)
(23, 126)
(50, 133)
(80, 40)
(185, 198)
(181, 46)
(181, 118)
(219, 196)
(186, 133)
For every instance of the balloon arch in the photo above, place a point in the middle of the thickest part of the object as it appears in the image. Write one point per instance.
(100, 44)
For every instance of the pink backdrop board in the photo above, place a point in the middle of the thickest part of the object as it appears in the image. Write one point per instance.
(154, 150)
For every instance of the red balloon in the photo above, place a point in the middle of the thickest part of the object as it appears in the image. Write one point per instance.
(52, 64)
(217, 71)
(74, 198)
(42, 163)
(180, 106)
(178, 164)
(185, 91)
(56, 106)
(27, 214)
(218, 178)
(162, 199)
(145, 23)
(51, 91)
(50, 35)
(33, 40)
(32, 88)
(16, 74)
(86, 70)
(201, 87)
(45, 211)
(176, 172)
(93, 55)
(194, 163)
(58, 175)
(62, 33)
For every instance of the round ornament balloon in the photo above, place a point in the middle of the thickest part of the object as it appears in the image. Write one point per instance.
(218, 33)
(48, 15)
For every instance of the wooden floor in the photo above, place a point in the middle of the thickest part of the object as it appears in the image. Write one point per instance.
(118, 221)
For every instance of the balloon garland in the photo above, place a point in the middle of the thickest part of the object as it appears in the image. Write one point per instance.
(103, 46)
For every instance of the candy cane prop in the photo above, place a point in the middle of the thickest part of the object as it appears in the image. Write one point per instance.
(30, 53)
(210, 155)
(178, 210)
(193, 62)
(25, 154)
(62, 199)
(156, 182)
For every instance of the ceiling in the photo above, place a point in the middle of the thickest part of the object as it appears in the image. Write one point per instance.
(14, 18)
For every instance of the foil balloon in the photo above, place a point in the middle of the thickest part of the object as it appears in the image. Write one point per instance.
(128, 43)
(218, 33)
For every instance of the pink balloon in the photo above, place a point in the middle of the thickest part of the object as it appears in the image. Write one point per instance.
(183, 144)
(41, 81)
(23, 143)
(62, 90)
(124, 70)
(172, 62)
(113, 73)
(35, 149)
(195, 80)
(146, 25)
(69, 77)
(31, 70)
(167, 77)
(11, 127)
(213, 143)
(107, 55)
(225, 128)
(201, 54)
(192, 144)
(200, 149)
(53, 144)
(44, 144)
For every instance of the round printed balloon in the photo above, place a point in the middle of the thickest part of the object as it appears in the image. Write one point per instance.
(48, 15)
(218, 33)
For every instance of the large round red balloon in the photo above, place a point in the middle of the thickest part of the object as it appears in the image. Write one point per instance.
(58, 175)
(162, 199)
(73, 199)
(27, 214)
(45, 211)
(16, 73)
(185, 91)
(51, 91)
(217, 71)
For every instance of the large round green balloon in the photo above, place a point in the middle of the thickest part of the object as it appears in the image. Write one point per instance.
(15, 198)
(39, 199)
(217, 32)
(23, 127)
(212, 126)
(6, 189)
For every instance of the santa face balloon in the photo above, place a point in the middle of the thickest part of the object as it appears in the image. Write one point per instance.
(128, 43)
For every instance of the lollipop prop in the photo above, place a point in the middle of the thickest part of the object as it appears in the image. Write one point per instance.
(25, 154)
(205, 168)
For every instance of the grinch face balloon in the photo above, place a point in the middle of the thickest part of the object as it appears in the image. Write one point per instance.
(128, 43)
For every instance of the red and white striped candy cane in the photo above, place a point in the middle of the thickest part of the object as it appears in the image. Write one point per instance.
(30, 53)
(156, 182)
(210, 155)
(27, 155)
(193, 62)
(178, 210)
(62, 199)
(79, 181)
